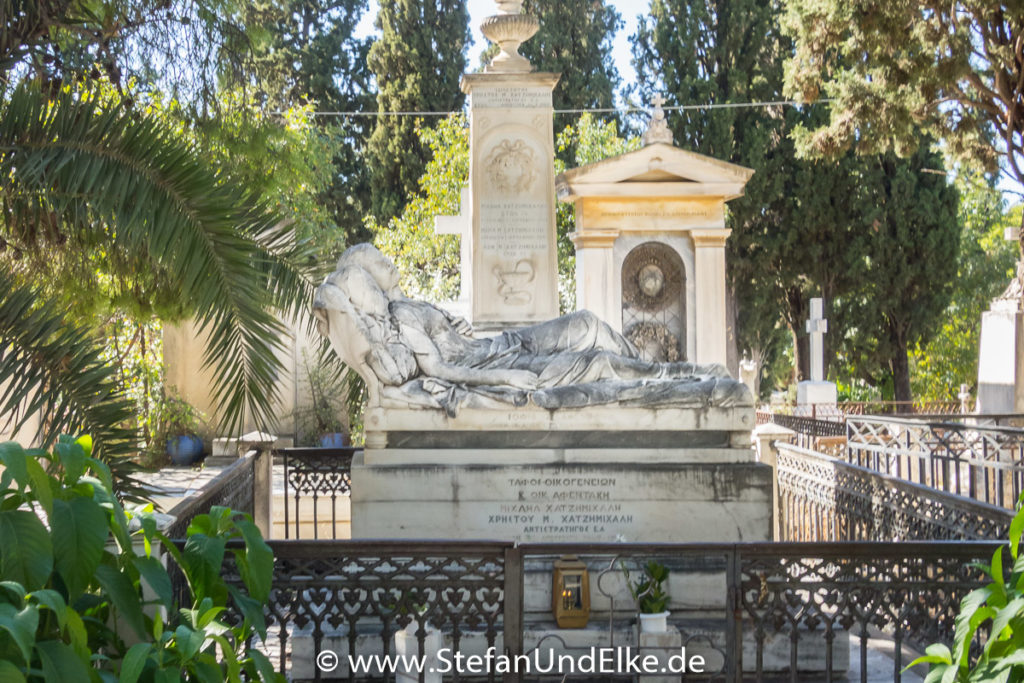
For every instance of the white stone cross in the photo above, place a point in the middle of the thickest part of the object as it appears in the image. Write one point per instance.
(817, 326)
(460, 225)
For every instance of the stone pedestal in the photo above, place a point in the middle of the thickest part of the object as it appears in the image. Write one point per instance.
(1001, 359)
(514, 276)
(814, 393)
(545, 478)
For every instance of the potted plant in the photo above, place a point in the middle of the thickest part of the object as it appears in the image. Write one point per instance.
(178, 427)
(651, 595)
(322, 421)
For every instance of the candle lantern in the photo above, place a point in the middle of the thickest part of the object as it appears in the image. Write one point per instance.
(570, 592)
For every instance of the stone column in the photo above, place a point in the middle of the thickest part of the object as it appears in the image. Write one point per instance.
(709, 264)
(596, 275)
(511, 181)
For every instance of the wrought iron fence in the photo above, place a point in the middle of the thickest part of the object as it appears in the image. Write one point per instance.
(825, 499)
(753, 611)
(317, 482)
(976, 461)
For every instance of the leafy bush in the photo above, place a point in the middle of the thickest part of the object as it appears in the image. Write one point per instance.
(999, 607)
(649, 591)
(73, 564)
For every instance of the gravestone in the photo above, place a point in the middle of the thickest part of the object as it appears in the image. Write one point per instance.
(816, 391)
(513, 274)
(557, 431)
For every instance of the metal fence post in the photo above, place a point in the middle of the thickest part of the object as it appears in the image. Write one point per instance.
(512, 609)
(734, 616)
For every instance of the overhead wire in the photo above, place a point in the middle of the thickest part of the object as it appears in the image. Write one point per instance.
(595, 110)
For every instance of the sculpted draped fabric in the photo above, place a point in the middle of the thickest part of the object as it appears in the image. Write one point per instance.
(421, 354)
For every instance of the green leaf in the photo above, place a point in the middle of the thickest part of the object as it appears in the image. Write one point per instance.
(1016, 528)
(77, 633)
(156, 578)
(80, 532)
(26, 553)
(72, 459)
(188, 641)
(60, 662)
(54, 602)
(252, 611)
(21, 625)
(124, 596)
(997, 568)
(10, 673)
(42, 484)
(258, 569)
(14, 460)
(1002, 619)
(264, 668)
(134, 662)
(204, 556)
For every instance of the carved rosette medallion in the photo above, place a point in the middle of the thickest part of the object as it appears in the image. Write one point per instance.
(650, 280)
(511, 167)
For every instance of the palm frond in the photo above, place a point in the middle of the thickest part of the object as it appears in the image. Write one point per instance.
(95, 168)
(50, 368)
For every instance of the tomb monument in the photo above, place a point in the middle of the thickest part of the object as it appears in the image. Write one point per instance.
(523, 425)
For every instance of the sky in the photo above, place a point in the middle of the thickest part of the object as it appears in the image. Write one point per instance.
(479, 9)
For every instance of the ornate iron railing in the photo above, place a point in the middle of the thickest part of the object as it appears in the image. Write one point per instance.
(976, 461)
(316, 482)
(753, 610)
(825, 499)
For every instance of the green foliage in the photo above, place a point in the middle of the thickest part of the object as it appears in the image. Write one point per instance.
(97, 174)
(418, 61)
(985, 266)
(894, 67)
(902, 292)
(999, 607)
(72, 605)
(174, 416)
(649, 591)
(428, 262)
(312, 56)
(51, 369)
(575, 40)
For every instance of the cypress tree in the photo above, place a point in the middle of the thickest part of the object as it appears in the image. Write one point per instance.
(418, 61)
(575, 39)
(804, 228)
(310, 54)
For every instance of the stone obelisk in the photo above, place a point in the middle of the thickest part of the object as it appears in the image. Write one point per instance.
(514, 277)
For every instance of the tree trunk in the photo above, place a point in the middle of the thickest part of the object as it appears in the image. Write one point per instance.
(796, 317)
(900, 366)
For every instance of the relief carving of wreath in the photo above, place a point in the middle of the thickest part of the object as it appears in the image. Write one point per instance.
(655, 341)
(510, 167)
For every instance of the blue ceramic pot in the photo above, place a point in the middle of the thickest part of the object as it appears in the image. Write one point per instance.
(333, 440)
(185, 449)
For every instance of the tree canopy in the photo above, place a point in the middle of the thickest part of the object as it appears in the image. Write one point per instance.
(418, 61)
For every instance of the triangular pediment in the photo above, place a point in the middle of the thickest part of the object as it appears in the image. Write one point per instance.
(664, 162)
(664, 167)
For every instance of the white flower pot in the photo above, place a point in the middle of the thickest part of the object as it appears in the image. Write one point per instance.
(654, 623)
